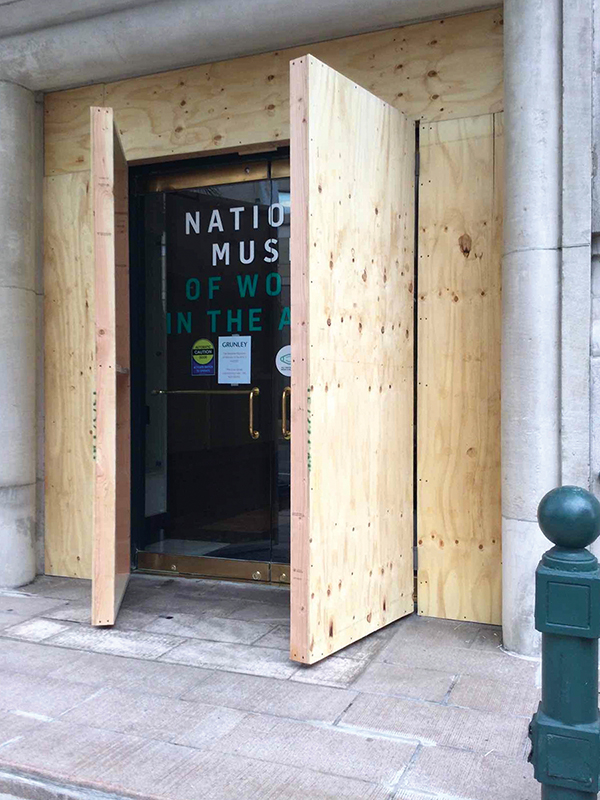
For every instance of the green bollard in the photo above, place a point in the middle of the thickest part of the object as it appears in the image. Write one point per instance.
(565, 730)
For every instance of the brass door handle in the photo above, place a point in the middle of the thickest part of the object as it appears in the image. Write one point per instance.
(285, 431)
(254, 392)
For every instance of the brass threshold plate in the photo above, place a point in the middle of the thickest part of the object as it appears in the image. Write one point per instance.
(221, 568)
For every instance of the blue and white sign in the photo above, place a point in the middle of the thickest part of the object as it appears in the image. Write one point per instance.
(283, 360)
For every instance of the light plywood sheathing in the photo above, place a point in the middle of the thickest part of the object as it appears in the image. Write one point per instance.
(352, 350)
(435, 70)
(440, 69)
(68, 374)
(458, 416)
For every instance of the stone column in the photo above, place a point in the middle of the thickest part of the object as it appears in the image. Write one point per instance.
(531, 446)
(576, 255)
(595, 337)
(17, 337)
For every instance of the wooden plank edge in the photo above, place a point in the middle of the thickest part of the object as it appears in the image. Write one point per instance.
(300, 379)
(102, 188)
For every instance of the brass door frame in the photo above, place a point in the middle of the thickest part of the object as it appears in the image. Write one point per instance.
(206, 566)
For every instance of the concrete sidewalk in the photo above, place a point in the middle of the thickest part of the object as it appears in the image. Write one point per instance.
(192, 697)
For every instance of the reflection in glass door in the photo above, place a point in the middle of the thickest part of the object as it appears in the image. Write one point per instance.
(216, 277)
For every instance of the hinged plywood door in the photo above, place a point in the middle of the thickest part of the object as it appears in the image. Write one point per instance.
(111, 528)
(352, 184)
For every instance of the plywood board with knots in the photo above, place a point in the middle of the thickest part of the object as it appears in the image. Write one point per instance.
(68, 375)
(352, 186)
(458, 389)
(440, 69)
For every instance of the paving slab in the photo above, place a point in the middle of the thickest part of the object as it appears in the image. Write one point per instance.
(72, 611)
(233, 657)
(9, 618)
(147, 585)
(414, 794)
(153, 717)
(175, 603)
(332, 671)
(150, 677)
(249, 592)
(435, 724)
(107, 760)
(323, 748)
(435, 633)
(71, 589)
(33, 659)
(448, 772)
(496, 665)
(44, 697)
(44, 583)
(503, 697)
(159, 715)
(35, 630)
(363, 650)
(14, 725)
(277, 637)
(160, 584)
(488, 638)
(271, 696)
(216, 629)
(261, 612)
(154, 598)
(210, 775)
(133, 644)
(26, 605)
(211, 728)
(65, 589)
(80, 611)
(367, 647)
(405, 681)
(127, 765)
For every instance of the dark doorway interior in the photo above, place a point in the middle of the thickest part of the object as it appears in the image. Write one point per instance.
(210, 367)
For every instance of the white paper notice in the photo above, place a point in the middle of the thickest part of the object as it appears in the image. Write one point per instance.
(235, 359)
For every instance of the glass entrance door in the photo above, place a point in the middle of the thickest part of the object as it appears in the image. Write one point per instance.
(216, 277)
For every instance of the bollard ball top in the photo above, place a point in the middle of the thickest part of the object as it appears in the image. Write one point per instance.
(570, 517)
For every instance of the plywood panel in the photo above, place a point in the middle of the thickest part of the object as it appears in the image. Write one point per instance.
(111, 533)
(67, 128)
(458, 412)
(69, 366)
(433, 70)
(352, 351)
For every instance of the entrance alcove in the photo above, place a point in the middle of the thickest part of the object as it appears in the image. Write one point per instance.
(389, 362)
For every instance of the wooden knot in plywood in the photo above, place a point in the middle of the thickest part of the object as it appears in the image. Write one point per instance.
(465, 243)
